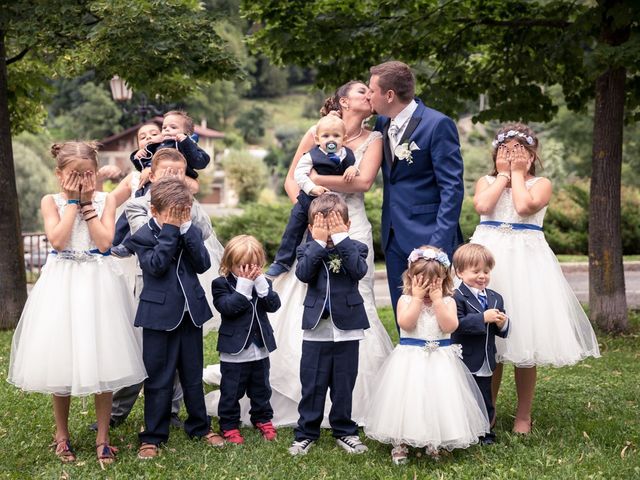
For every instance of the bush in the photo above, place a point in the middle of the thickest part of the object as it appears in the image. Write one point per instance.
(247, 175)
(251, 124)
(265, 222)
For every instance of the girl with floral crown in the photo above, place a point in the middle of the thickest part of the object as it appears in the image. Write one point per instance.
(426, 397)
(549, 327)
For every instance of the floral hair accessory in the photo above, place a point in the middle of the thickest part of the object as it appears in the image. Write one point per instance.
(511, 133)
(429, 254)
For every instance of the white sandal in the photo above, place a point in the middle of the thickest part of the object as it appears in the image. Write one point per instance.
(399, 454)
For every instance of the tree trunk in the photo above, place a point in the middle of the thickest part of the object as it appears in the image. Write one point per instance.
(607, 301)
(13, 292)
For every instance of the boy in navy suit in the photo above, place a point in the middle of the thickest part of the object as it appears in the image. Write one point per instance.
(244, 296)
(480, 318)
(171, 311)
(328, 157)
(333, 324)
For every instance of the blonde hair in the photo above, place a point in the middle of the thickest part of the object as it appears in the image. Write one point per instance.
(330, 121)
(169, 192)
(187, 121)
(67, 152)
(430, 269)
(242, 250)
(471, 255)
(170, 154)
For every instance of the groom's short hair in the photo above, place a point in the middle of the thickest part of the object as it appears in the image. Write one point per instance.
(327, 203)
(396, 76)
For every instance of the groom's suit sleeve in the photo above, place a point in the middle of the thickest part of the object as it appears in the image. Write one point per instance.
(448, 169)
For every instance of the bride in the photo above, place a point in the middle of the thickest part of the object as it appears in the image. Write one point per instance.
(350, 102)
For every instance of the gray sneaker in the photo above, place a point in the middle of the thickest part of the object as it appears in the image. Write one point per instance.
(300, 447)
(351, 444)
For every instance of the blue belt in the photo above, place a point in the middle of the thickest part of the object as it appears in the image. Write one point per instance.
(94, 251)
(418, 342)
(511, 226)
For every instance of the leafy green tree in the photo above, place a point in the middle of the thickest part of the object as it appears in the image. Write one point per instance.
(251, 124)
(247, 175)
(95, 116)
(34, 178)
(509, 50)
(166, 48)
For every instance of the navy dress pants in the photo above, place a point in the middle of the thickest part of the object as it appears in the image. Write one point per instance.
(333, 366)
(163, 353)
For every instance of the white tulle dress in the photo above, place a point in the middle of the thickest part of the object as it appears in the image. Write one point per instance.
(547, 323)
(75, 336)
(287, 325)
(425, 395)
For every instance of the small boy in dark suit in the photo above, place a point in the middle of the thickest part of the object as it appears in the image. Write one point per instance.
(171, 311)
(480, 318)
(333, 324)
(244, 296)
(328, 157)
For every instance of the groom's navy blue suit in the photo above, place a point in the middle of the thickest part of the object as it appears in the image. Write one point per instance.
(422, 199)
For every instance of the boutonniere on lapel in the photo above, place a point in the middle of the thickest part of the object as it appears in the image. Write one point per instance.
(334, 263)
(405, 150)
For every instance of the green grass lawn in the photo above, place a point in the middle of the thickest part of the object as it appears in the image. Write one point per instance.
(586, 425)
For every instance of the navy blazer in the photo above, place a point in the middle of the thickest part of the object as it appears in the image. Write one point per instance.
(478, 339)
(170, 263)
(345, 302)
(239, 313)
(422, 200)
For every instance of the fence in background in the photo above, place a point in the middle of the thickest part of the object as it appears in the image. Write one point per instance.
(36, 248)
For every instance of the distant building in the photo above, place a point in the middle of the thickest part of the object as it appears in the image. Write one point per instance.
(115, 150)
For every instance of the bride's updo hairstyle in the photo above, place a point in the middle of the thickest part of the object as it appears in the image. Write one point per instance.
(522, 134)
(332, 103)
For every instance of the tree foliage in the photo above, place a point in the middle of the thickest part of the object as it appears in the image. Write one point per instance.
(247, 175)
(508, 50)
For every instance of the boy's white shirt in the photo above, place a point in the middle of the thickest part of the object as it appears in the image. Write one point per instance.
(303, 169)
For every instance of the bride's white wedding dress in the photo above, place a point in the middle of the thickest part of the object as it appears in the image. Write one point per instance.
(287, 325)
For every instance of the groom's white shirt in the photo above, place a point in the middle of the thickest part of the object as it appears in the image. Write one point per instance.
(401, 121)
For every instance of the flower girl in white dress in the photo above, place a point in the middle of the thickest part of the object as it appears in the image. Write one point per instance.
(426, 396)
(549, 326)
(75, 336)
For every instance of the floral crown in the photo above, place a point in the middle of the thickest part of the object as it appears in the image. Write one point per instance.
(511, 133)
(429, 254)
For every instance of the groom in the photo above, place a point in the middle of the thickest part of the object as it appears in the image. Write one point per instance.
(422, 170)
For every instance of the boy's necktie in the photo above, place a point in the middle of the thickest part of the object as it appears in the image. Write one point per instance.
(482, 298)
(334, 158)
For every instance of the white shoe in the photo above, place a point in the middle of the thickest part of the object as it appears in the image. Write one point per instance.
(399, 454)
(300, 447)
(351, 444)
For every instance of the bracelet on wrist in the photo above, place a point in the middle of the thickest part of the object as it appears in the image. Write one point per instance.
(91, 218)
(505, 175)
(84, 204)
(73, 201)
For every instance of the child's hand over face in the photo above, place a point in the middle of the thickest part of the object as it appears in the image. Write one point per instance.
(185, 213)
(502, 160)
(318, 190)
(174, 216)
(520, 160)
(71, 185)
(144, 176)
(435, 290)
(87, 186)
(419, 287)
(254, 272)
(349, 174)
(319, 230)
(336, 223)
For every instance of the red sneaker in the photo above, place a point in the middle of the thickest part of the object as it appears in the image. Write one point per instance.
(233, 436)
(268, 430)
